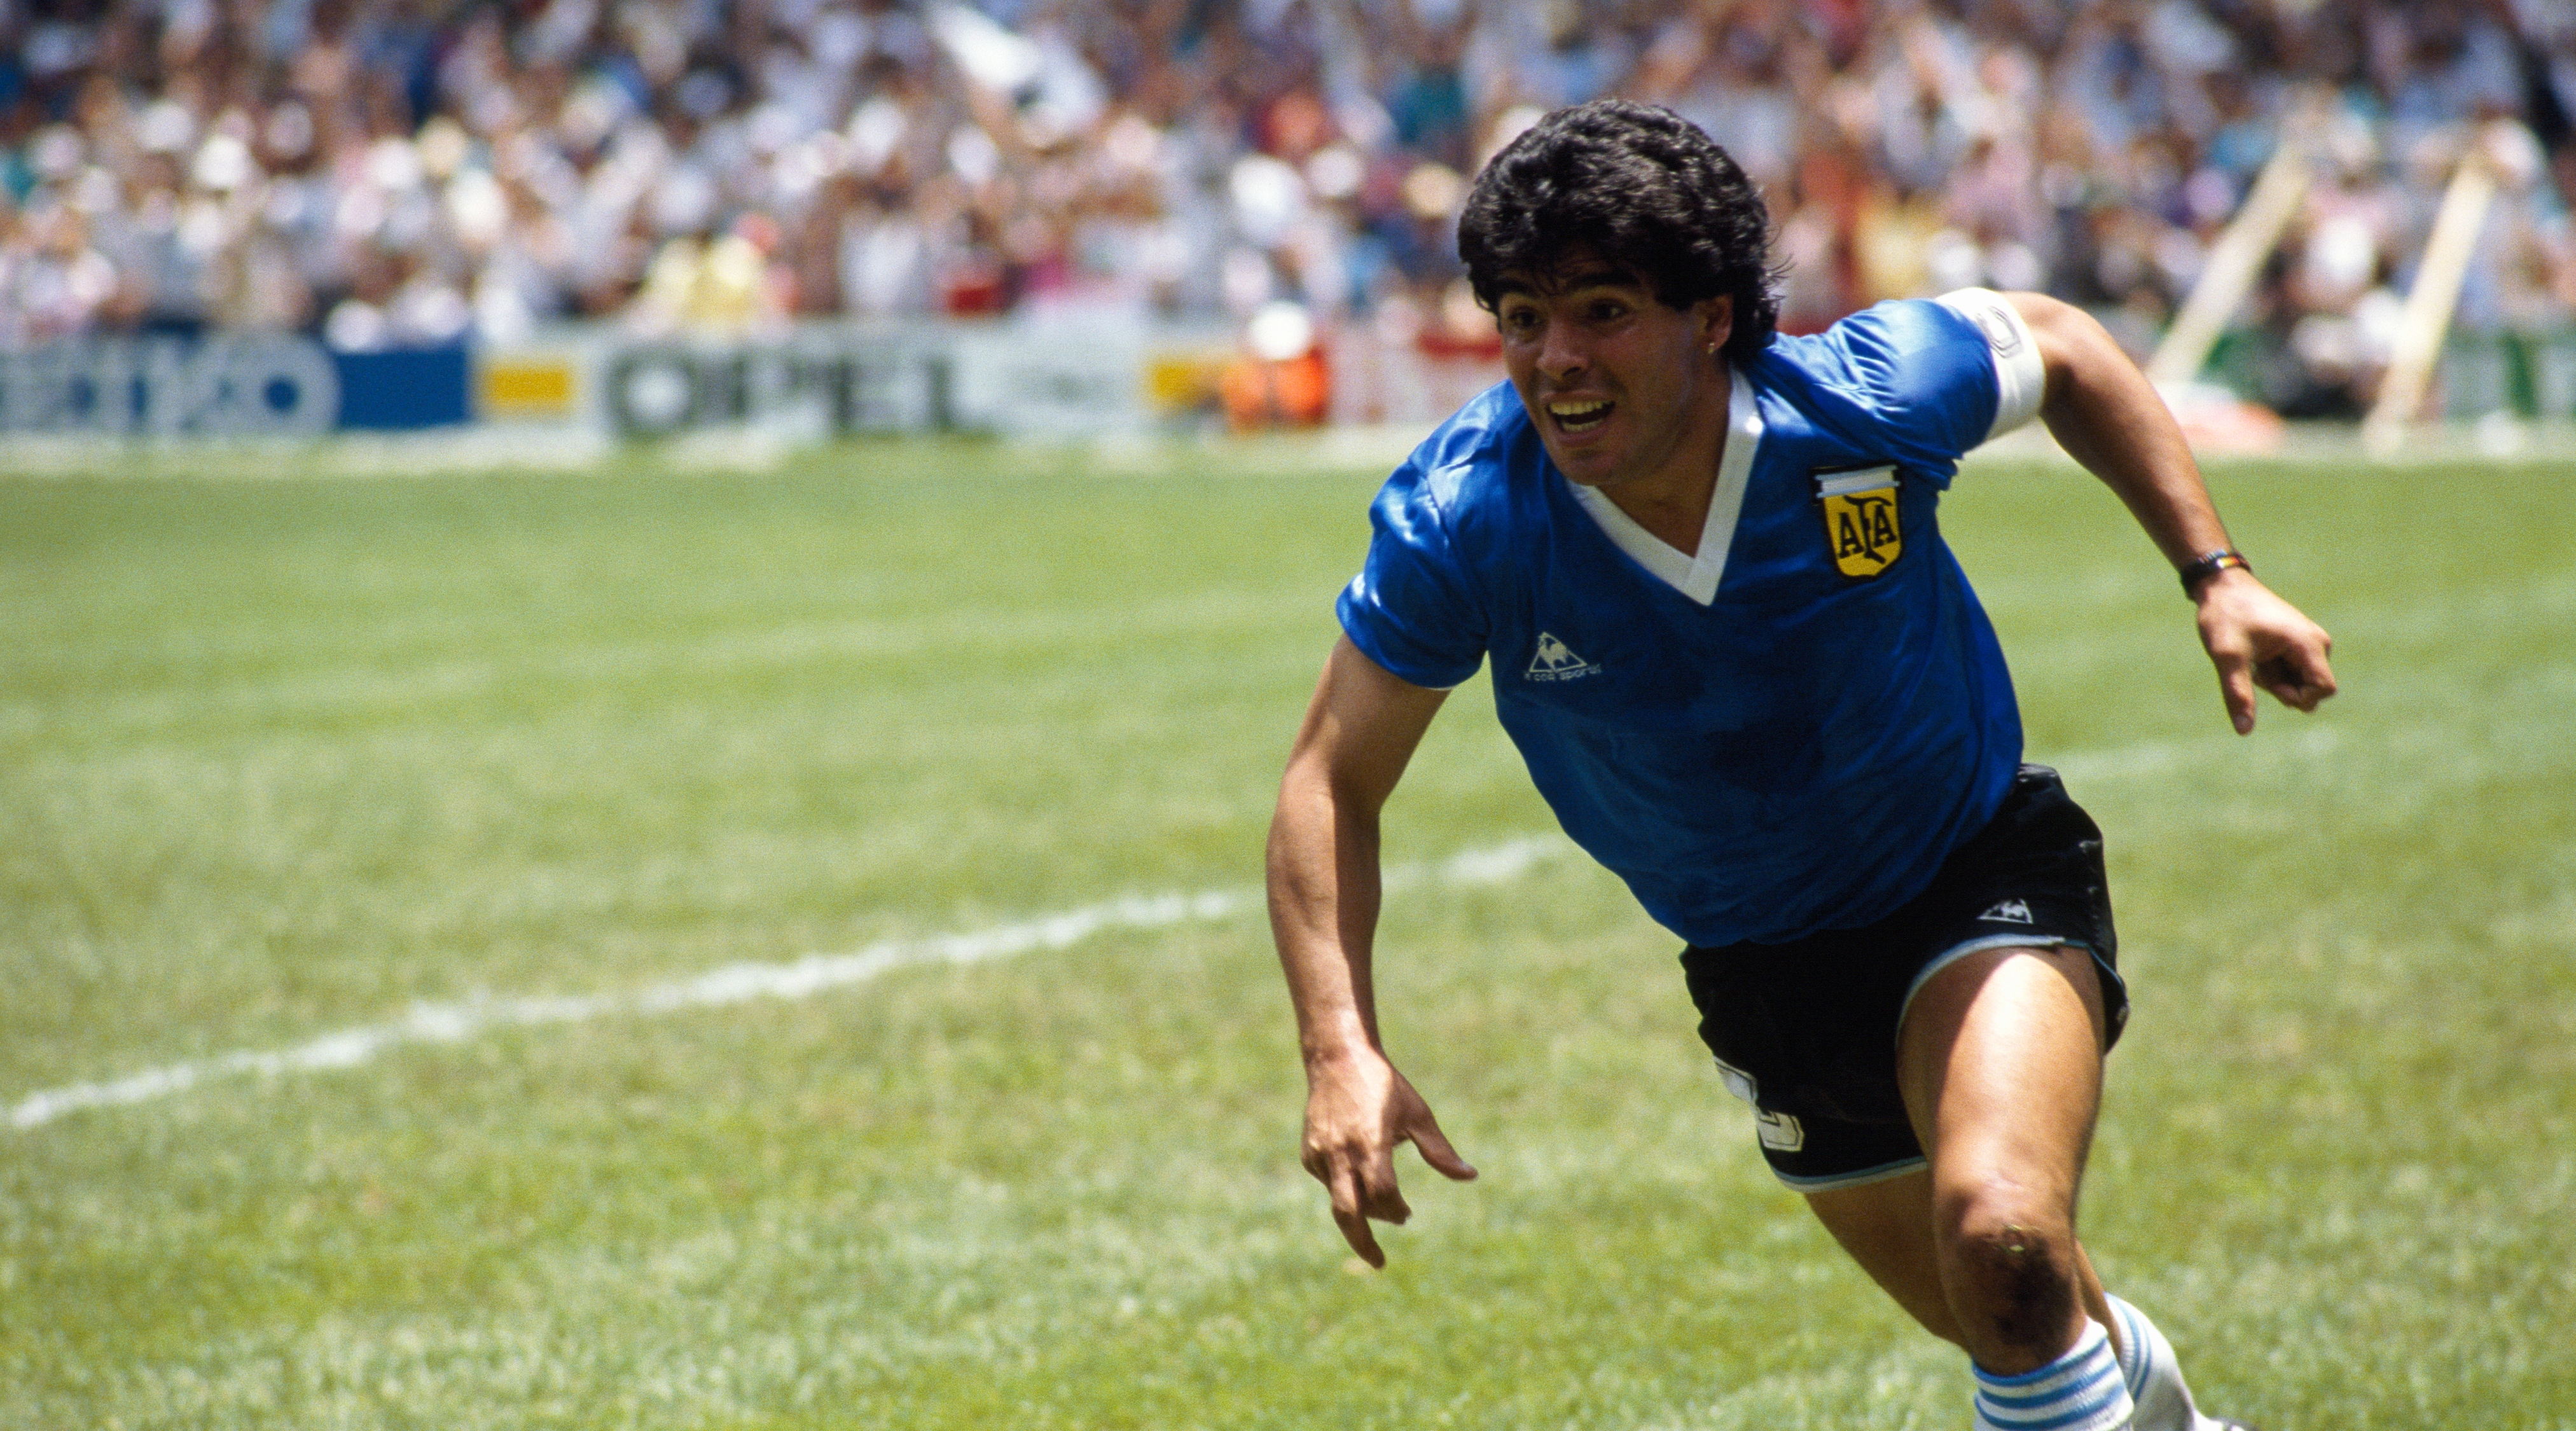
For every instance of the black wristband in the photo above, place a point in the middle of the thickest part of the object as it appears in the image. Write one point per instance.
(2208, 565)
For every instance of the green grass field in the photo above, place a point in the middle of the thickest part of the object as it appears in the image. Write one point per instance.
(292, 757)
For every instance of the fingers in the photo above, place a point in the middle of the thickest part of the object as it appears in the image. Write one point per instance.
(2236, 687)
(1348, 1217)
(1435, 1149)
(2290, 685)
(1362, 1181)
(1380, 1198)
(2293, 668)
(2300, 676)
(1363, 1187)
(2258, 641)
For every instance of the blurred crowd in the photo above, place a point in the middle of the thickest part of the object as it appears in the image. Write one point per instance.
(406, 171)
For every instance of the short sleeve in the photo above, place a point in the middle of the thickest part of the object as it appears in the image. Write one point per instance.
(1410, 609)
(2021, 379)
(1912, 379)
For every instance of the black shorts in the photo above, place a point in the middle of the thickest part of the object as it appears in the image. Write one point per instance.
(1806, 1031)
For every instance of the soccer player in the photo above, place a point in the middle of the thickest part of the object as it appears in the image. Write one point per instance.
(1749, 678)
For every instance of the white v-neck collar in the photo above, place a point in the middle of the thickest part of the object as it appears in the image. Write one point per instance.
(1693, 576)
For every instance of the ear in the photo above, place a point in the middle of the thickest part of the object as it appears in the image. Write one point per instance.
(1716, 320)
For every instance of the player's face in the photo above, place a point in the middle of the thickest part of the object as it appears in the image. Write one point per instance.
(1622, 387)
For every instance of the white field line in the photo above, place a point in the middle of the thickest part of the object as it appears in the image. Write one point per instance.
(740, 983)
(815, 973)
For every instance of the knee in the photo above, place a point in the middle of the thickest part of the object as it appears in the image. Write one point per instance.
(2008, 1263)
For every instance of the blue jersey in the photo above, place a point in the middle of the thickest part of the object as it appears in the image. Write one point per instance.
(1788, 732)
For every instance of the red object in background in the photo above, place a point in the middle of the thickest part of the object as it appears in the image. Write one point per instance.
(1258, 394)
(975, 288)
(1442, 341)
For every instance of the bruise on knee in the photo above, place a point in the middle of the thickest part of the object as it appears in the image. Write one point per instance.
(2021, 1283)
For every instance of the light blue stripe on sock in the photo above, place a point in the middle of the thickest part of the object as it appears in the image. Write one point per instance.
(2141, 1361)
(2084, 1414)
(2087, 1385)
(2084, 1390)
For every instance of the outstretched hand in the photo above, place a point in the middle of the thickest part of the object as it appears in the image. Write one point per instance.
(2255, 639)
(1357, 1109)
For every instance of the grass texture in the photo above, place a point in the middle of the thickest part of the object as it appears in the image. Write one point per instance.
(292, 756)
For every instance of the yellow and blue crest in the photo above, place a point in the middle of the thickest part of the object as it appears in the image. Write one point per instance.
(1862, 526)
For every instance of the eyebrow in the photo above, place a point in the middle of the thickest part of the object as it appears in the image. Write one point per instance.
(1599, 276)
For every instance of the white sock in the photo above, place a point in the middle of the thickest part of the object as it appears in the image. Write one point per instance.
(2083, 1390)
(2155, 1377)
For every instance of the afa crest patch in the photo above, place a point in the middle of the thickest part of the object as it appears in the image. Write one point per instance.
(1862, 528)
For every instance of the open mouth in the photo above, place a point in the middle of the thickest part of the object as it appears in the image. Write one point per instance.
(1579, 417)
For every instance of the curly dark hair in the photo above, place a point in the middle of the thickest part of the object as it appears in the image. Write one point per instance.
(1643, 189)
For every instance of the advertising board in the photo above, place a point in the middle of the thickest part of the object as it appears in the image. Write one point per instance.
(227, 385)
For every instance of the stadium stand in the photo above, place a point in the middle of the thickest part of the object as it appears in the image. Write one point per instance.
(404, 172)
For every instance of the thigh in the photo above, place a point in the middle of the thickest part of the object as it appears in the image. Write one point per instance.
(1999, 1060)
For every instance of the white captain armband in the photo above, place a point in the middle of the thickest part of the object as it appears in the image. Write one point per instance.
(2021, 379)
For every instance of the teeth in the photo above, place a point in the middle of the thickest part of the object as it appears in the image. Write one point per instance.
(1577, 411)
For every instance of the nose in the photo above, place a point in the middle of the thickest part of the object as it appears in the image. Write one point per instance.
(1562, 353)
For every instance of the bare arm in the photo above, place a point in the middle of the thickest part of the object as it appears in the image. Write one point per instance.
(2107, 416)
(1359, 733)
